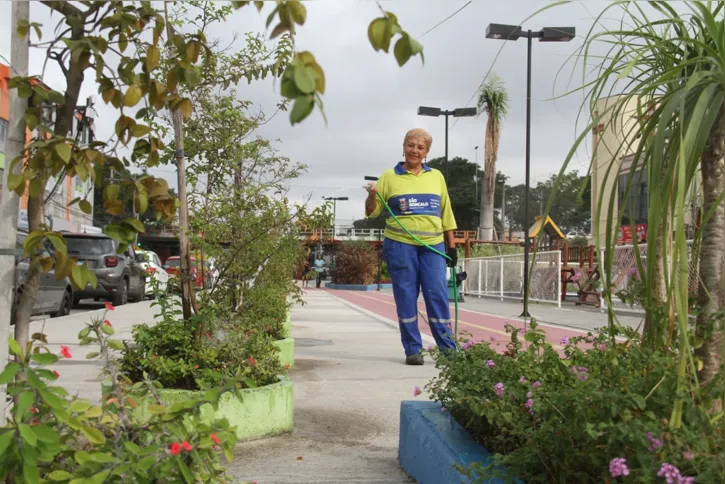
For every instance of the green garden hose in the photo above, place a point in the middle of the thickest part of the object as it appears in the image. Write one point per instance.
(453, 269)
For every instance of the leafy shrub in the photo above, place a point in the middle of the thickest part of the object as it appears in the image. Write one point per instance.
(357, 263)
(53, 436)
(550, 419)
(171, 353)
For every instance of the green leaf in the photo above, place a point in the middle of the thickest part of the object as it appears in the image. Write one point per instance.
(212, 395)
(302, 108)
(9, 373)
(44, 358)
(140, 130)
(377, 34)
(186, 108)
(79, 406)
(146, 463)
(92, 355)
(93, 435)
(30, 470)
(107, 330)
(102, 458)
(185, 471)
(22, 28)
(84, 332)
(15, 347)
(135, 223)
(63, 151)
(115, 344)
(77, 278)
(403, 50)
(6, 438)
(25, 401)
(305, 79)
(60, 475)
(58, 243)
(46, 434)
(131, 447)
(133, 96)
(28, 435)
(156, 409)
(36, 187)
(85, 207)
(152, 58)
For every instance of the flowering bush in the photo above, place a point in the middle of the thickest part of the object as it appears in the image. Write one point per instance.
(597, 415)
(52, 436)
(169, 353)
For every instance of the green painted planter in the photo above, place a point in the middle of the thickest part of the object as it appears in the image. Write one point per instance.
(286, 351)
(262, 412)
(287, 331)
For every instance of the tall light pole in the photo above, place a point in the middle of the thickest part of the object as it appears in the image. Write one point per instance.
(334, 211)
(456, 113)
(547, 34)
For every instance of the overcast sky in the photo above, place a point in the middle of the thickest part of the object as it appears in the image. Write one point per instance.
(370, 102)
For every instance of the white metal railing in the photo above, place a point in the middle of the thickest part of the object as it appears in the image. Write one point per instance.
(503, 276)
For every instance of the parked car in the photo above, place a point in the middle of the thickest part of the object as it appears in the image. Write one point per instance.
(120, 276)
(154, 271)
(55, 297)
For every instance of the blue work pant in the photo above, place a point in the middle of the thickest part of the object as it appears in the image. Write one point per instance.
(411, 268)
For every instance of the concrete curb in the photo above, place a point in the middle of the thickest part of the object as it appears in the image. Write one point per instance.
(357, 287)
(262, 412)
(432, 443)
(387, 322)
(286, 351)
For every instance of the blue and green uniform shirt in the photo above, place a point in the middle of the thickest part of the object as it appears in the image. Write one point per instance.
(420, 202)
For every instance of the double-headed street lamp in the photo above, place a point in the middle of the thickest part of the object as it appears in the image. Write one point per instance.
(547, 34)
(456, 113)
(334, 211)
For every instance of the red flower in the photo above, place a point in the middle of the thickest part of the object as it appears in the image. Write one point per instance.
(252, 361)
(214, 439)
(65, 351)
(187, 446)
(33, 410)
(57, 375)
(175, 448)
(108, 323)
(109, 306)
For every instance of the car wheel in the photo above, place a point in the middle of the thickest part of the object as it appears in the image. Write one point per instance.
(65, 306)
(121, 296)
(141, 291)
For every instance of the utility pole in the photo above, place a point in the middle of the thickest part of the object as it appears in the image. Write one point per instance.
(503, 212)
(9, 201)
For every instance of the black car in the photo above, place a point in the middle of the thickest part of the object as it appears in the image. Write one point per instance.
(54, 296)
(120, 276)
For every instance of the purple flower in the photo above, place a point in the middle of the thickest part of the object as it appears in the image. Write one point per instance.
(529, 395)
(583, 376)
(618, 467)
(522, 380)
(498, 387)
(672, 475)
(602, 347)
(490, 364)
(536, 384)
(654, 442)
(573, 370)
(530, 405)
(564, 340)
(688, 455)
(632, 271)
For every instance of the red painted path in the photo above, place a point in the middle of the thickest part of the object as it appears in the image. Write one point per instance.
(482, 327)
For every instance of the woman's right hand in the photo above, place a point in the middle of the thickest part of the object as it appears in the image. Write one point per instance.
(371, 188)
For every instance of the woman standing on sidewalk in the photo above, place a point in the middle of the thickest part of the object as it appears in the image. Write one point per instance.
(418, 196)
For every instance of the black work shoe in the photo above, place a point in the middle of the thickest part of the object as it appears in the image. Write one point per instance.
(414, 360)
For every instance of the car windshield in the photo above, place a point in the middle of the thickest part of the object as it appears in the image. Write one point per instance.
(173, 263)
(90, 245)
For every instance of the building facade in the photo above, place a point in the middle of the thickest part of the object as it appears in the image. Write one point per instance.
(62, 189)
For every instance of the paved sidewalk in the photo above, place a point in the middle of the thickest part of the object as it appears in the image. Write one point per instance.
(350, 378)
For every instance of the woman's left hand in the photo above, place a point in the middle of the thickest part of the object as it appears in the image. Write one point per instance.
(452, 252)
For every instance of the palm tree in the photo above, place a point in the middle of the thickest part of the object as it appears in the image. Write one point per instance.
(493, 100)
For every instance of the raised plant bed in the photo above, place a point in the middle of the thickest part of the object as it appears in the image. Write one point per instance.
(262, 412)
(357, 287)
(432, 443)
(286, 351)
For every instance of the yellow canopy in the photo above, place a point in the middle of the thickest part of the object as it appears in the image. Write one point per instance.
(547, 225)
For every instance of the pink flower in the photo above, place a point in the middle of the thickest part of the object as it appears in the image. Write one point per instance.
(187, 446)
(490, 364)
(65, 351)
(416, 391)
(109, 307)
(602, 347)
(57, 375)
(688, 455)
(251, 361)
(618, 467)
(108, 323)
(214, 439)
(499, 388)
(522, 380)
(175, 448)
(536, 384)
(564, 340)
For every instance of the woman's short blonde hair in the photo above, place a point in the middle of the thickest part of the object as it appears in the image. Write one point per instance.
(419, 133)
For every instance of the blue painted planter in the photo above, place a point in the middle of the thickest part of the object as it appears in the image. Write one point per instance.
(357, 287)
(432, 443)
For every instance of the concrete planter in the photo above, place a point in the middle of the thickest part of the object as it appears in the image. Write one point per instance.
(357, 287)
(286, 351)
(287, 331)
(262, 412)
(432, 443)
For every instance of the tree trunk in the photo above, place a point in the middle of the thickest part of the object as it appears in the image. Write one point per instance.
(711, 296)
(651, 331)
(488, 183)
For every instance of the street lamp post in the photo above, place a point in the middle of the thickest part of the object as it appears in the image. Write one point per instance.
(456, 113)
(334, 211)
(547, 34)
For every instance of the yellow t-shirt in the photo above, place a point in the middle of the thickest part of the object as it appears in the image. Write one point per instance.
(420, 202)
